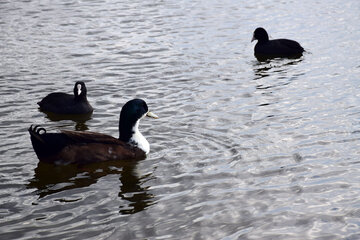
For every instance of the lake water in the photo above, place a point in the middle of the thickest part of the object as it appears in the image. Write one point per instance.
(242, 150)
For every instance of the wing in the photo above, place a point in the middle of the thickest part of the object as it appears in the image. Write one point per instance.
(87, 147)
(291, 44)
(98, 152)
(78, 137)
(56, 98)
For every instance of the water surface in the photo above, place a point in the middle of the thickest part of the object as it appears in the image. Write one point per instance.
(242, 150)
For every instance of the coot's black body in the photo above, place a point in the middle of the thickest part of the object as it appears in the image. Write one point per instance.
(63, 103)
(266, 48)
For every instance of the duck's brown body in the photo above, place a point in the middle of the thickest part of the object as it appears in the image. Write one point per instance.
(81, 147)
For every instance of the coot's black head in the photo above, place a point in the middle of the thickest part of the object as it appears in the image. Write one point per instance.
(130, 114)
(261, 35)
(80, 90)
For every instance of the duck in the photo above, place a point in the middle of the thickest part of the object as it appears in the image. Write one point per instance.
(75, 147)
(266, 48)
(63, 103)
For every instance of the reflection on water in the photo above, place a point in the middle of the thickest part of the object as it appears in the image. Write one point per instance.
(266, 68)
(79, 119)
(81, 126)
(49, 179)
(131, 190)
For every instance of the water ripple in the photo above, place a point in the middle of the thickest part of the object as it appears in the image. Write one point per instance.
(242, 150)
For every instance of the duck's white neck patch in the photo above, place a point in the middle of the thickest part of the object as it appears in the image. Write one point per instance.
(138, 139)
(78, 89)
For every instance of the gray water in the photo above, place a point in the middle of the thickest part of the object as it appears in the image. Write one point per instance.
(242, 150)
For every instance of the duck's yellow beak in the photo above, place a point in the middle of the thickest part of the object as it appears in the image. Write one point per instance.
(152, 115)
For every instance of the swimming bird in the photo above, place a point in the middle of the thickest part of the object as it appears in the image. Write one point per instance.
(63, 103)
(266, 48)
(86, 147)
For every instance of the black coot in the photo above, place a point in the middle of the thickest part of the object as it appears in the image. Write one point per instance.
(266, 48)
(63, 103)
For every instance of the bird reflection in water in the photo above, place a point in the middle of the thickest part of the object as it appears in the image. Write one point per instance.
(268, 67)
(132, 191)
(79, 119)
(49, 179)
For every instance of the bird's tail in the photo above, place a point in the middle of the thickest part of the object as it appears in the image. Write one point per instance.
(36, 132)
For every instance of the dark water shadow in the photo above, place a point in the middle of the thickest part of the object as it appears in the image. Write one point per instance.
(131, 190)
(270, 66)
(49, 179)
(79, 119)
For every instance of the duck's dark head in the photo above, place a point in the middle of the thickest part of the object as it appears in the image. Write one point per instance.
(80, 90)
(261, 35)
(130, 115)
